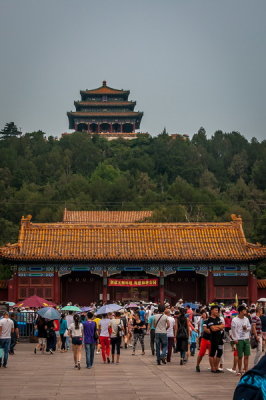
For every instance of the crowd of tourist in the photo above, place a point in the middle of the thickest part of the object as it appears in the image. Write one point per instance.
(171, 329)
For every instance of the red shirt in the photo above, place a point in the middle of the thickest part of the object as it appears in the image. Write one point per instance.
(57, 325)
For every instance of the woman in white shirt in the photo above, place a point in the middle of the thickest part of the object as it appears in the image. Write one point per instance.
(76, 333)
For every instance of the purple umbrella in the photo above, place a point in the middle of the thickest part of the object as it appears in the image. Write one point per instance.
(85, 309)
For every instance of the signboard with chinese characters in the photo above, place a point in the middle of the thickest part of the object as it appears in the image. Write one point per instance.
(133, 282)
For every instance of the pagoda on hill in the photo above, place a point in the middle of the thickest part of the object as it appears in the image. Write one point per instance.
(105, 111)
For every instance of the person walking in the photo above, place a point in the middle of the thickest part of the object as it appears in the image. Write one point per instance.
(205, 340)
(240, 332)
(76, 334)
(151, 331)
(263, 328)
(41, 327)
(116, 336)
(161, 324)
(193, 341)
(97, 320)
(182, 335)
(14, 335)
(104, 338)
(63, 332)
(171, 334)
(51, 337)
(90, 338)
(69, 320)
(124, 320)
(257, 332)
(6, 329)
(138, 333)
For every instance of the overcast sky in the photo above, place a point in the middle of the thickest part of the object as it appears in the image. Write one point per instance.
(187, 63)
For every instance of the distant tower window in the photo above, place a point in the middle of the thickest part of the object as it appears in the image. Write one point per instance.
(104, 98)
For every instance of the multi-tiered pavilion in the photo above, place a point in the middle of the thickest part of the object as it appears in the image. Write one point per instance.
(105, 111)
(119, 255)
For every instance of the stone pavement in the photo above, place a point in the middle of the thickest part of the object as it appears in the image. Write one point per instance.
(42, 377)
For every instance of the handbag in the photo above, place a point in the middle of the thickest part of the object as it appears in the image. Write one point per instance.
(66, 333)
(1, 353)
(253, 342)
(119, 330)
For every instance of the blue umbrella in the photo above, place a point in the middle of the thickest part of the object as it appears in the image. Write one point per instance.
(10, 303)
(191, 305)
(108, 309)
(49, 313)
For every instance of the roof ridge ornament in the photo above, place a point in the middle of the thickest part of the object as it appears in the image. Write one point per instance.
(236, 218)
(104, 83)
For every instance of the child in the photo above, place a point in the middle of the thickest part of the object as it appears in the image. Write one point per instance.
(193, 341)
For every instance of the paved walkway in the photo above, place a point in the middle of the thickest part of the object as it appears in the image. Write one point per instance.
(44, 377)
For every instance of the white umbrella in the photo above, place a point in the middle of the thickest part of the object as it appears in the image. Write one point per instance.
(263, 299)
(108, 308)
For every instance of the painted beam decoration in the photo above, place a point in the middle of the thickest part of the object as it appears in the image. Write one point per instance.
(133, 282)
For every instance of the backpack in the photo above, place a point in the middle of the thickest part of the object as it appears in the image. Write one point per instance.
(119, 329)
(182, 331)
(252, 385)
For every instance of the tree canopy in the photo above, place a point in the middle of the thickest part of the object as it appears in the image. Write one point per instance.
(180, 180)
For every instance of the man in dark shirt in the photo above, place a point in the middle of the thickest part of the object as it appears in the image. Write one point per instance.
(263, 328)
(14, 335)
(216, 326)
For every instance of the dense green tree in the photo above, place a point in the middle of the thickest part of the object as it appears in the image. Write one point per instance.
(9, 130)
(180, 180)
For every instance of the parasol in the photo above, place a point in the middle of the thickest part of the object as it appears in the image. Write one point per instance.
(49, 313)
(35, 301)
(108, 308)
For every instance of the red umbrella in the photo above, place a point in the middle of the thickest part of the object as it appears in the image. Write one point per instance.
(34, 301)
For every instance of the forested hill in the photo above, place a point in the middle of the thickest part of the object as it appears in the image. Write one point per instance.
(195, 180)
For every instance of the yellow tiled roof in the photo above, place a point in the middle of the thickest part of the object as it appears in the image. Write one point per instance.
(261, 283)
(105, 216)
(132, 242)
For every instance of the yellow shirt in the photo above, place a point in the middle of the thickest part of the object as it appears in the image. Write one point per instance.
(97, 320)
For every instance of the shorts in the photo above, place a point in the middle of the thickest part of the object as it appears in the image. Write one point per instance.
(57, 333)
(42, 341)
(204, 345)
(243, 348)
(77, 340)
(216, 349)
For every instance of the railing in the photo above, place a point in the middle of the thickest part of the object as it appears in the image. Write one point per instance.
(25, 321)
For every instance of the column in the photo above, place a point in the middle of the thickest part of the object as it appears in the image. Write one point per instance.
(13, 288)
(252, 288)
(56, 284)
(210, 296)
(161, 283)
(104, 287)
(111, 127)
(76, 126)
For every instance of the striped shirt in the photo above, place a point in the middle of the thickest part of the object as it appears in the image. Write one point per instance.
(257, 321)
